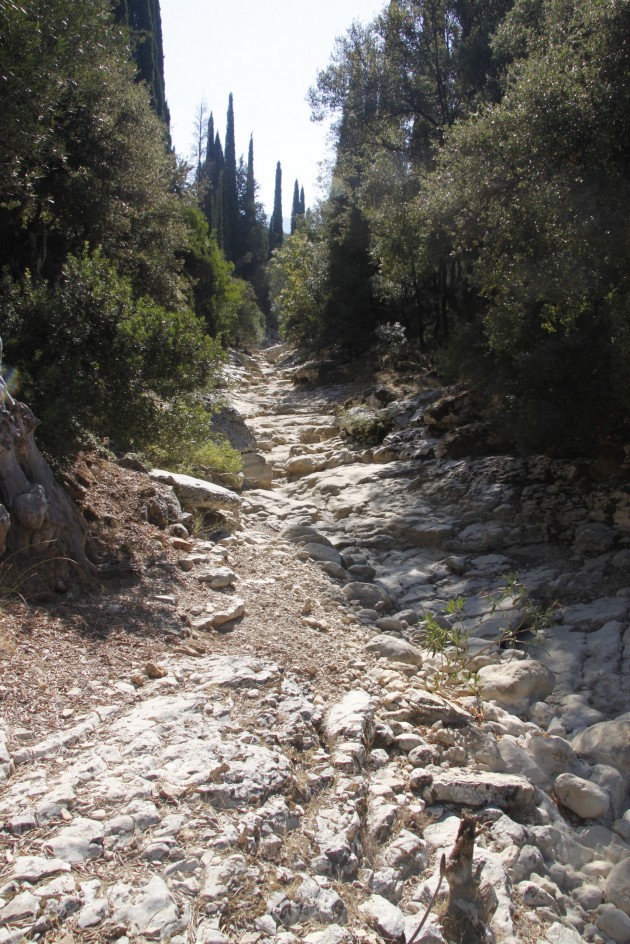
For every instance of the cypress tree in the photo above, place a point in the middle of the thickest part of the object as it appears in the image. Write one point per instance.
(219, 156)
(298, 210)
(253, 249)
(144, 19)
(295, 209)
(219, 202)
(212, 195)
(276, 232)
(249, 209)
(210, 141)
(210, 175)
(231, 221)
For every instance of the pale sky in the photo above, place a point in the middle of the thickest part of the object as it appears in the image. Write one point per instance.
(267, 53)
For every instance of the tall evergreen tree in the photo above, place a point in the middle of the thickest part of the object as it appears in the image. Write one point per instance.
(298, 209)
(276, 231)
(144, 19)
(210, 175)
(249, 208)
(295, 209)
(231, 222)
(254, 240)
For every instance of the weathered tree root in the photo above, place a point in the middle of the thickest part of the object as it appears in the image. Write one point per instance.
(41, 530)
(464, 919)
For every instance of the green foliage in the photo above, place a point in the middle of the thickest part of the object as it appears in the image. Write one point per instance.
(298, 209)
(227, 197)
(93, 361)
(231, 218)
(366, 427)
(298, 280)
(446, 635)
(393, 338)
(250, 329)
(185, 441)
(82, 157)
(351, 313)
(144, 20)
(480, 197)
(276, 225)
(536, 193)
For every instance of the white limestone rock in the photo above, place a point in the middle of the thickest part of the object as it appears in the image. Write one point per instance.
(558, 933)
(615, 924)
(517, 759)
(606, 743)
(334, 934)
(618, 885)
(319, 903)
(33, 869)
(198, 494)
(238, 672)
(299, 466)
(470, 788)
(150, 911)
(603, 842)
(92, 913)
(221, 613)
(408, 854)
(367, 594)
(319, 552)
(217, 578)
(585, 799)
(351, 717)
(386, 918)
(257, 472)
(428, 707)
(593, 538)
(536, 897)
(516, 685)
(23, 906)
(528, 860)
(79, 842)
(589, 616)
(394, 649)
(553, 754)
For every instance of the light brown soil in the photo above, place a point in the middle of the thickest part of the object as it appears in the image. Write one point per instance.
(61, 651)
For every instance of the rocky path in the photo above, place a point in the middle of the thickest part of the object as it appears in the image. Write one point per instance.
(296, 767)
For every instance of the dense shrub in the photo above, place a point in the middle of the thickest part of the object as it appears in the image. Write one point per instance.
(95, 362)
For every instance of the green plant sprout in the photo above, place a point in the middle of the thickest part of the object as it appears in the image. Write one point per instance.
(446, 634)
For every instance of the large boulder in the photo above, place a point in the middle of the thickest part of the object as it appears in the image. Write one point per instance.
(394, 649)
(198, 494)
(257, 472)
(516, 685)
(228, 422)
(618, 885)
(585, 799)
(366, 594)
(607, 743)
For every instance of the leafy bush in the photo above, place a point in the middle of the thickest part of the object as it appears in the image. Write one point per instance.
(227, 304)
(366, 427)
(187, 443)
(298, 282)
(393, 340)
(94, 362)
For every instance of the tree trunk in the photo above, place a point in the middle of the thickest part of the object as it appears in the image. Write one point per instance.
(42, 534)
(464, 919)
